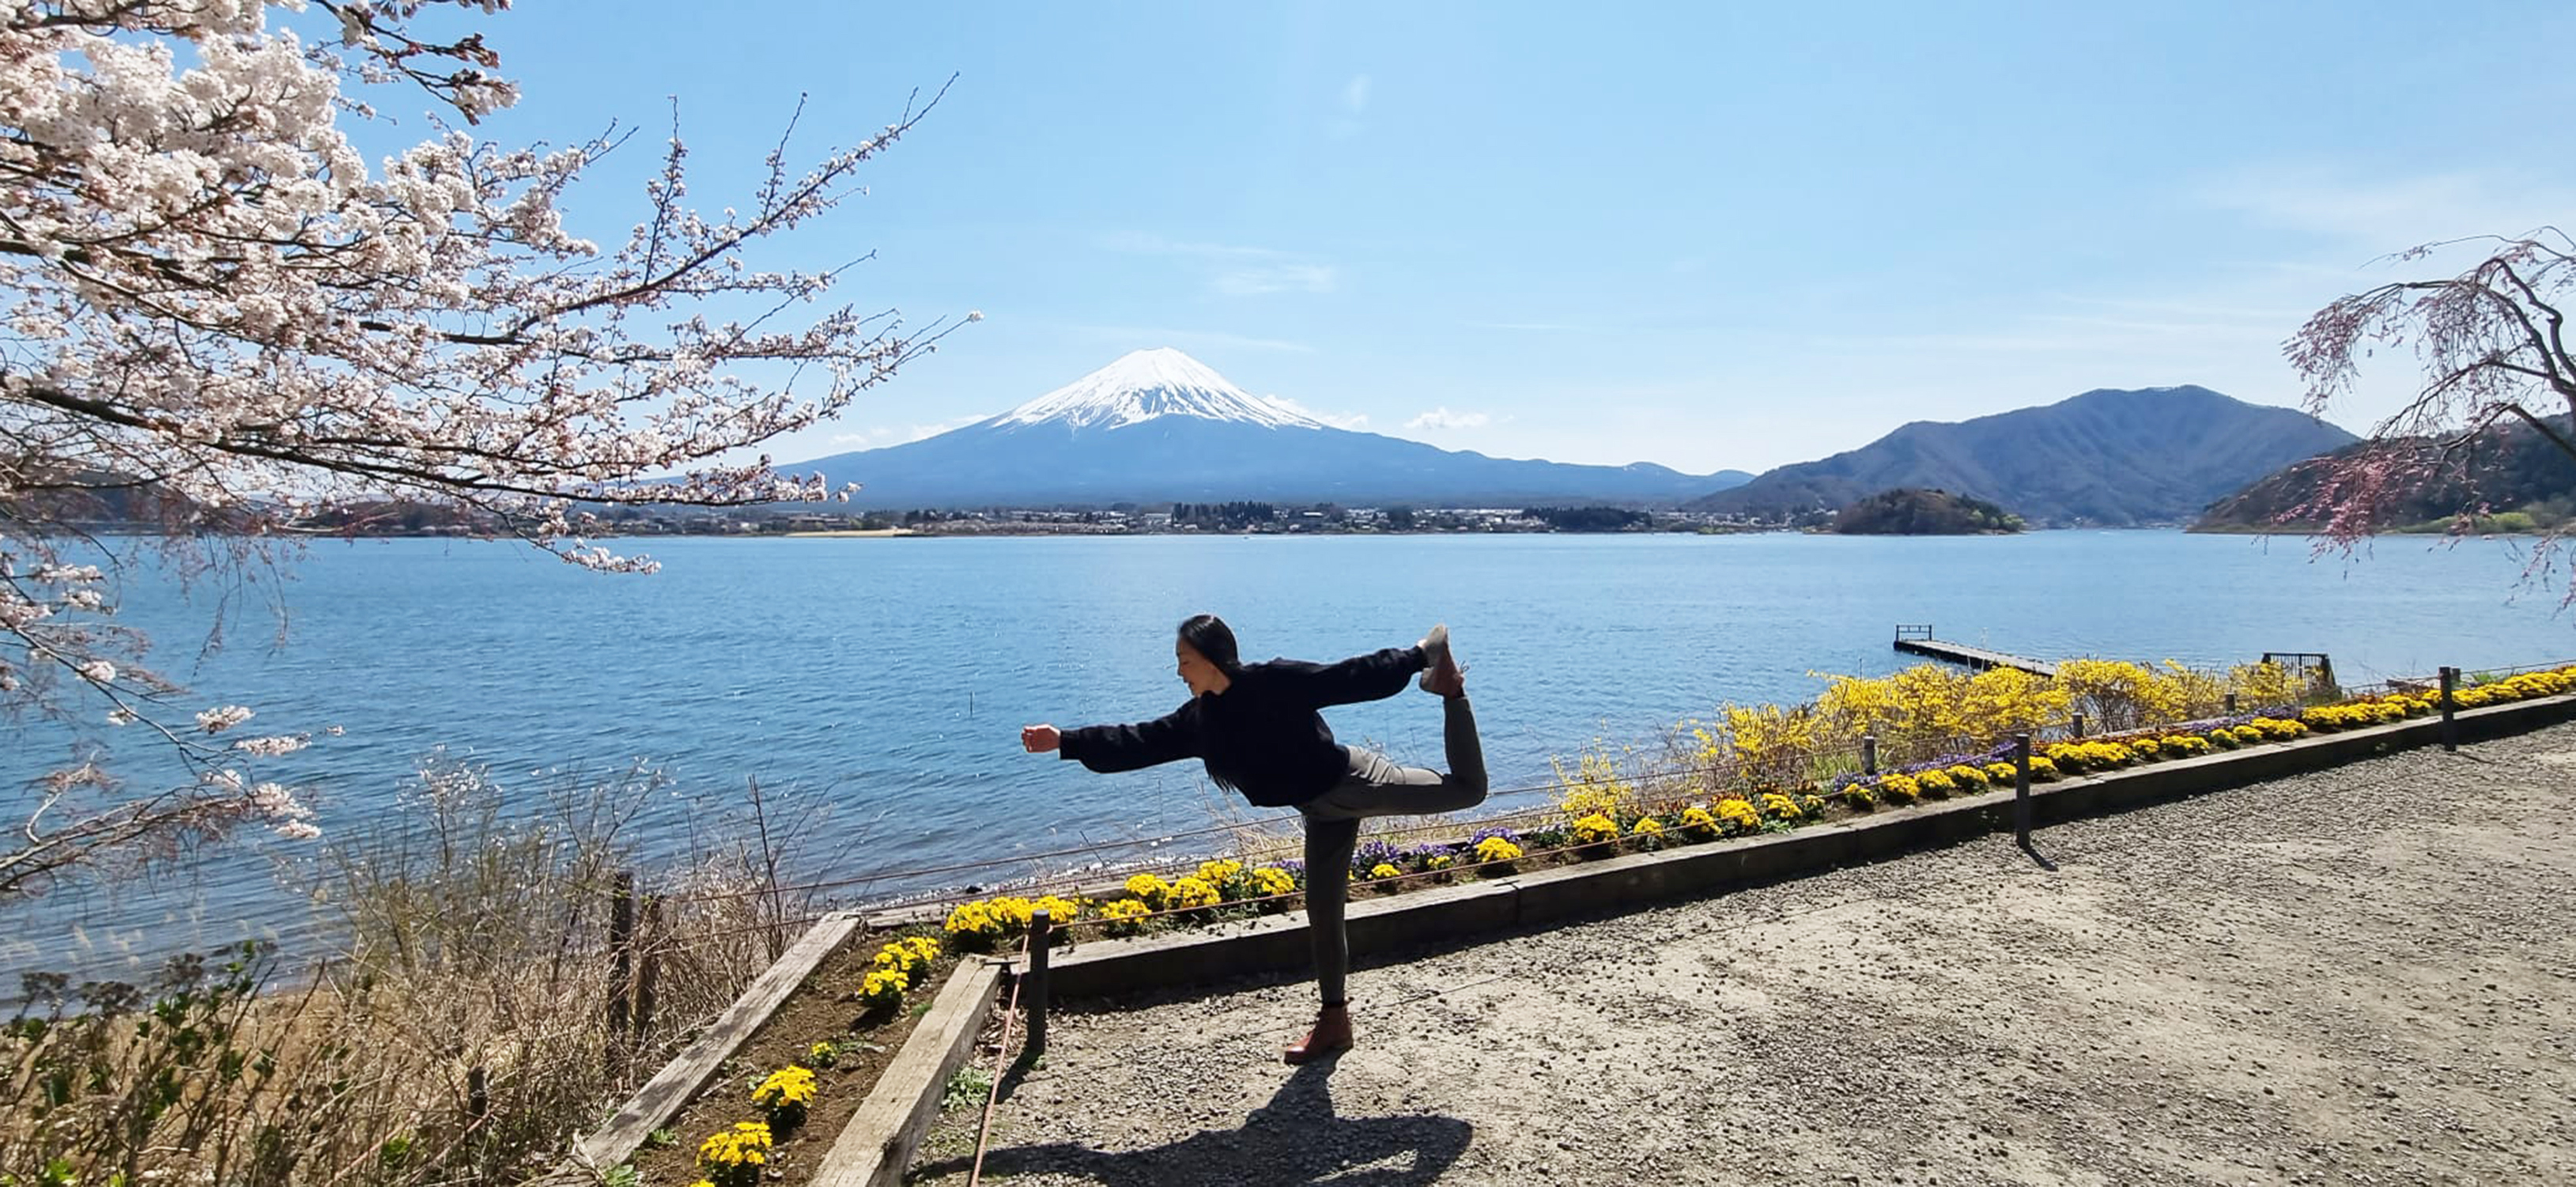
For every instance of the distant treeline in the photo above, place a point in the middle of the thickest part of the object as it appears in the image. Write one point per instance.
(1591, 519)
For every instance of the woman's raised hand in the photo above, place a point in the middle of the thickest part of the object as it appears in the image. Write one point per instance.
(1040, 738)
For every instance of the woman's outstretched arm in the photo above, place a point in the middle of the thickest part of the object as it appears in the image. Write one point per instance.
(1112, 748)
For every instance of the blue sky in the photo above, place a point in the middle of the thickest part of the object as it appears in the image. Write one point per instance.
(1706, 235)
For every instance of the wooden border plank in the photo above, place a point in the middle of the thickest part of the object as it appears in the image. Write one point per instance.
(681, 1079)
(876, 1146)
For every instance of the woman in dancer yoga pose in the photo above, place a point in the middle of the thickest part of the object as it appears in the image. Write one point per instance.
(1258, 730)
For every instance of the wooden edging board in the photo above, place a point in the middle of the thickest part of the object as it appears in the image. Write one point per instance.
(876, 1145)
(681, 1079)
(1280, 943)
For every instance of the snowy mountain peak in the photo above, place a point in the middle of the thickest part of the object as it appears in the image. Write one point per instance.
(1146, 384)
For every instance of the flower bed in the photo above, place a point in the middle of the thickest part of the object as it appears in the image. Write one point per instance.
(1599, 816)
(774, 1108)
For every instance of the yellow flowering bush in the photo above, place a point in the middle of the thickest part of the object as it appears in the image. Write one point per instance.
(1969, 779)
(1936, 784)
(1493, 850)
(1271, 880)
(823, 1054)
(2185, 745)
(2148, 749)
(2247, 735)
(1125, 915)
(2000, 773)
(1738, 815)
(1770, 745)
(1780, 807)
(1697, 822)
(2117, 695)
(1594, 785)
(1594, 829)
(1193, 892)
(1648, 831)
(1383, 870)
(2041, 770)
(734, 1157)
(1151, 890)
(1899, 789)
(785, 1095)
(1860, 796)
(1441, 861)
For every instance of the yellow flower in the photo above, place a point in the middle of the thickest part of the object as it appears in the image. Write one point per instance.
(790, 1087)
(1440, 861)
(1193, 892)
(1595, 828)
(884, 987)
(1696, 819)
(727, 1153)
(1216, 873)
(1270, 880)
(1493, 849)
(1383, 870)
(1151, 889)
(1124, 914)
(1647, 827)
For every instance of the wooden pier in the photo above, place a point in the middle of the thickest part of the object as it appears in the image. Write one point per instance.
(1916, 639)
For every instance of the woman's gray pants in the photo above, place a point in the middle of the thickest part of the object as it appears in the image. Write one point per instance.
(1377, 787)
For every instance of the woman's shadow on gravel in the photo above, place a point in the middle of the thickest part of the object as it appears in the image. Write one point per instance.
(1296, 1138)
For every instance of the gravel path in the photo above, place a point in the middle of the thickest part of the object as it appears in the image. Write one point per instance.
(2360, 976)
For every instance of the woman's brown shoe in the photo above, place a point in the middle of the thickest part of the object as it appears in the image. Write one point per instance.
(1332, 1033)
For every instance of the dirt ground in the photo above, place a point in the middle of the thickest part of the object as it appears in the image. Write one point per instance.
(2366, 975)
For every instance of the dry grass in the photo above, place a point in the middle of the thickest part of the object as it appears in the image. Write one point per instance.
(461, 1033)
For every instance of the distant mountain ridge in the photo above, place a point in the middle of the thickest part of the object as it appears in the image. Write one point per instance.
(1157, 426)
(2508, 468)
(2106, 458)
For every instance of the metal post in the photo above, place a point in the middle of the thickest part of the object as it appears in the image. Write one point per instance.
(1869, 754)
(1033, 993)
(2021, 788)
(2231, 704)
(478, 1093)
(2079, 727)
(2450, 726)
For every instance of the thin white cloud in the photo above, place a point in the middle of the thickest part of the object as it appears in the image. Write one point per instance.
(1355, 95)
(1443, 418)
(1353, 421)
(1277, 278)
(2381, 214)
(1237, 270)
(881, 436)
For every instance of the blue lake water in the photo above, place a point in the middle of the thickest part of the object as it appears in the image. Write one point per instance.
(891, 676)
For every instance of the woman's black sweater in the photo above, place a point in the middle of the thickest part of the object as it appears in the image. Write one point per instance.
(1262, 736)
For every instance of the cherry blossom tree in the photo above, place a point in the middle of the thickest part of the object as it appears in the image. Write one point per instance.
(2492, 348)
(216, 316)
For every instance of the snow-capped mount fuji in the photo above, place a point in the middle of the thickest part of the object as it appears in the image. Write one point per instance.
(1145, 384)
(1157, 426)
